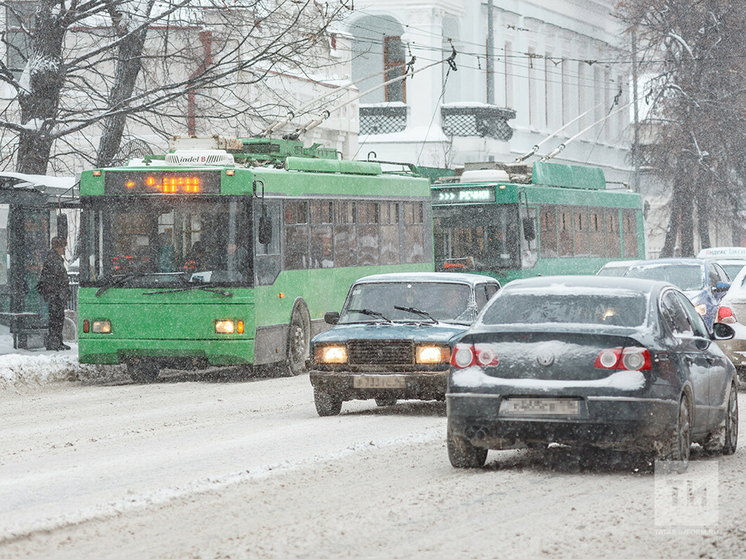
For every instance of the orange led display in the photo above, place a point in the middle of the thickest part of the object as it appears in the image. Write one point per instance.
(163, 182)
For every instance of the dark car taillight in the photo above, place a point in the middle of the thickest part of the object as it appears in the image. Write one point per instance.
(466, 355)
(625, 359)
(726, 315)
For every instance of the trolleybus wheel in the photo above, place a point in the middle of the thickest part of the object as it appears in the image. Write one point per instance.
(298, 344)
(143, 372)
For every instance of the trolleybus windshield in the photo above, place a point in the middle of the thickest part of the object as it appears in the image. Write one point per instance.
(476, 237)
(147, 242)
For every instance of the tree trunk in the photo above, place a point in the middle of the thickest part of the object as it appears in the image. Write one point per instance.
(39, 96)
(128, 68)
(703, 208)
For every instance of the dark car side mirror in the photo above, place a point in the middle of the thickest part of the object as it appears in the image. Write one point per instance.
(721, 286)
(722, 331)
(331, 317)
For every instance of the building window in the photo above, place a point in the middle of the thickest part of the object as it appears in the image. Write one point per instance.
(393, 65)
(19, 18)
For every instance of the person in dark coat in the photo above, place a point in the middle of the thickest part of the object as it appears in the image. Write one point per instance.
(53, 286)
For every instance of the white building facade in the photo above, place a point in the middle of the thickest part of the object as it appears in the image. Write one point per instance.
(549, 63)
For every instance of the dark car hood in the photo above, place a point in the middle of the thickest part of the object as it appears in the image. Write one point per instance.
(422, 332)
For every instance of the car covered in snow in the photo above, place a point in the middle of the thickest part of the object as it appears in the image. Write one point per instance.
(585, 360)
(393, 337)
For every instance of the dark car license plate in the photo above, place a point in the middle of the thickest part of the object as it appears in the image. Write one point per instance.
(540, 406)
(379, 381)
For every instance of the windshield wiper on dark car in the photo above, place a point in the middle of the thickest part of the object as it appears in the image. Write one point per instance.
(416, 311)
(369, 312)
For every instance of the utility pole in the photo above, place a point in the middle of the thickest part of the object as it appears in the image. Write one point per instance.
(635, 111)
(490, 50)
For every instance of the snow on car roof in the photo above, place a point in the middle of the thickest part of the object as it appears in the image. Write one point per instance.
(428, 277)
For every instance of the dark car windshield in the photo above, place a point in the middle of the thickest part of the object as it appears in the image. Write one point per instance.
(687, 277)
(541, 307)
(442, 301)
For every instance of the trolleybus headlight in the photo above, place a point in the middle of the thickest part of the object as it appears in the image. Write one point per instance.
(336, 354)
(225, 326)
(432, 354)
(101, 327)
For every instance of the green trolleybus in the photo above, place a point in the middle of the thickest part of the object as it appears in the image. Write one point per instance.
(211, 257)
(514, 221)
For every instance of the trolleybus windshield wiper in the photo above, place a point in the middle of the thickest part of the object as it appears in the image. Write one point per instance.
(191, 287)
(416, 311)
(369, 312)
(119, 280)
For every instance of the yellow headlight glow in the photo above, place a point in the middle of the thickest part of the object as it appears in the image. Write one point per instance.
(225, 327)
(101, 327)
(330, 354)
(430, 355)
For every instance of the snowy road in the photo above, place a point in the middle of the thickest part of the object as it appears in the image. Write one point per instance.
(191, 467)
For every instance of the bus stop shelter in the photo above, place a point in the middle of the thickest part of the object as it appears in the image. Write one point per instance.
(33, 209)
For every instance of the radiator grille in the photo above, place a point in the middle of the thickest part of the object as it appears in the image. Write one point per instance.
(380, 352)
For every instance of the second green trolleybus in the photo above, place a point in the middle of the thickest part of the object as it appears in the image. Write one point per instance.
(212, 257)
(513, 221)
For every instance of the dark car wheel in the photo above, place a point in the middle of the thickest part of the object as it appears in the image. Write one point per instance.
(383, 401)
(463, 454)
(143, 372)
(724, 439)
(681, 436)
(326, 404)
(731, 422)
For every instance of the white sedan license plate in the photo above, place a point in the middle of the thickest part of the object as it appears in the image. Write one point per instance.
(379, 381)
(540, 406)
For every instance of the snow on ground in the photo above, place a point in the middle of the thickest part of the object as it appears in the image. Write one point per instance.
(21, 368)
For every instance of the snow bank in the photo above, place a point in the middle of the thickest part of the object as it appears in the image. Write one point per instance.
(27, 370)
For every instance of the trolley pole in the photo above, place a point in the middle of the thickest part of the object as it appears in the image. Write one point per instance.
(635, 111)
(490, 50)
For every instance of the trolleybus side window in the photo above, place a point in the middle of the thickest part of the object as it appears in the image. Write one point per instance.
(390, 232)
(564, 227)
(629, 220)
(268, 263)
(414, 232)
(548, 232)
(596, 226)
(582, 240)
(345, 234)
(613, 242)
(368, 218)
(296, 235)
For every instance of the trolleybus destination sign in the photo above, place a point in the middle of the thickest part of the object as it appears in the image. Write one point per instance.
(464, 195)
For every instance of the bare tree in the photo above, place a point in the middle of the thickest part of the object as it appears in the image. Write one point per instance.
(93, 68)
(694, 48)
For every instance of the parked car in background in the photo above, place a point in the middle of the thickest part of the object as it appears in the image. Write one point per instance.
(394, 336)
(703, 281)
(732, 311)
(615, 268)
(584, 360)
(732, 259)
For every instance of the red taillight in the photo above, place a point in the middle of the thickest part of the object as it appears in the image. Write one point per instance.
(466, 355)
(627, 359)
(86, 326)
(726, 315)
(463, 356)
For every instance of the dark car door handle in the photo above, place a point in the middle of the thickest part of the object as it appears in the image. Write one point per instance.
(688, 359)
(711, 359)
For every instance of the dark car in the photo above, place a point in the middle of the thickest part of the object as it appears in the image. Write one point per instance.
(608, 362)
(703, 281)
(394, 337)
